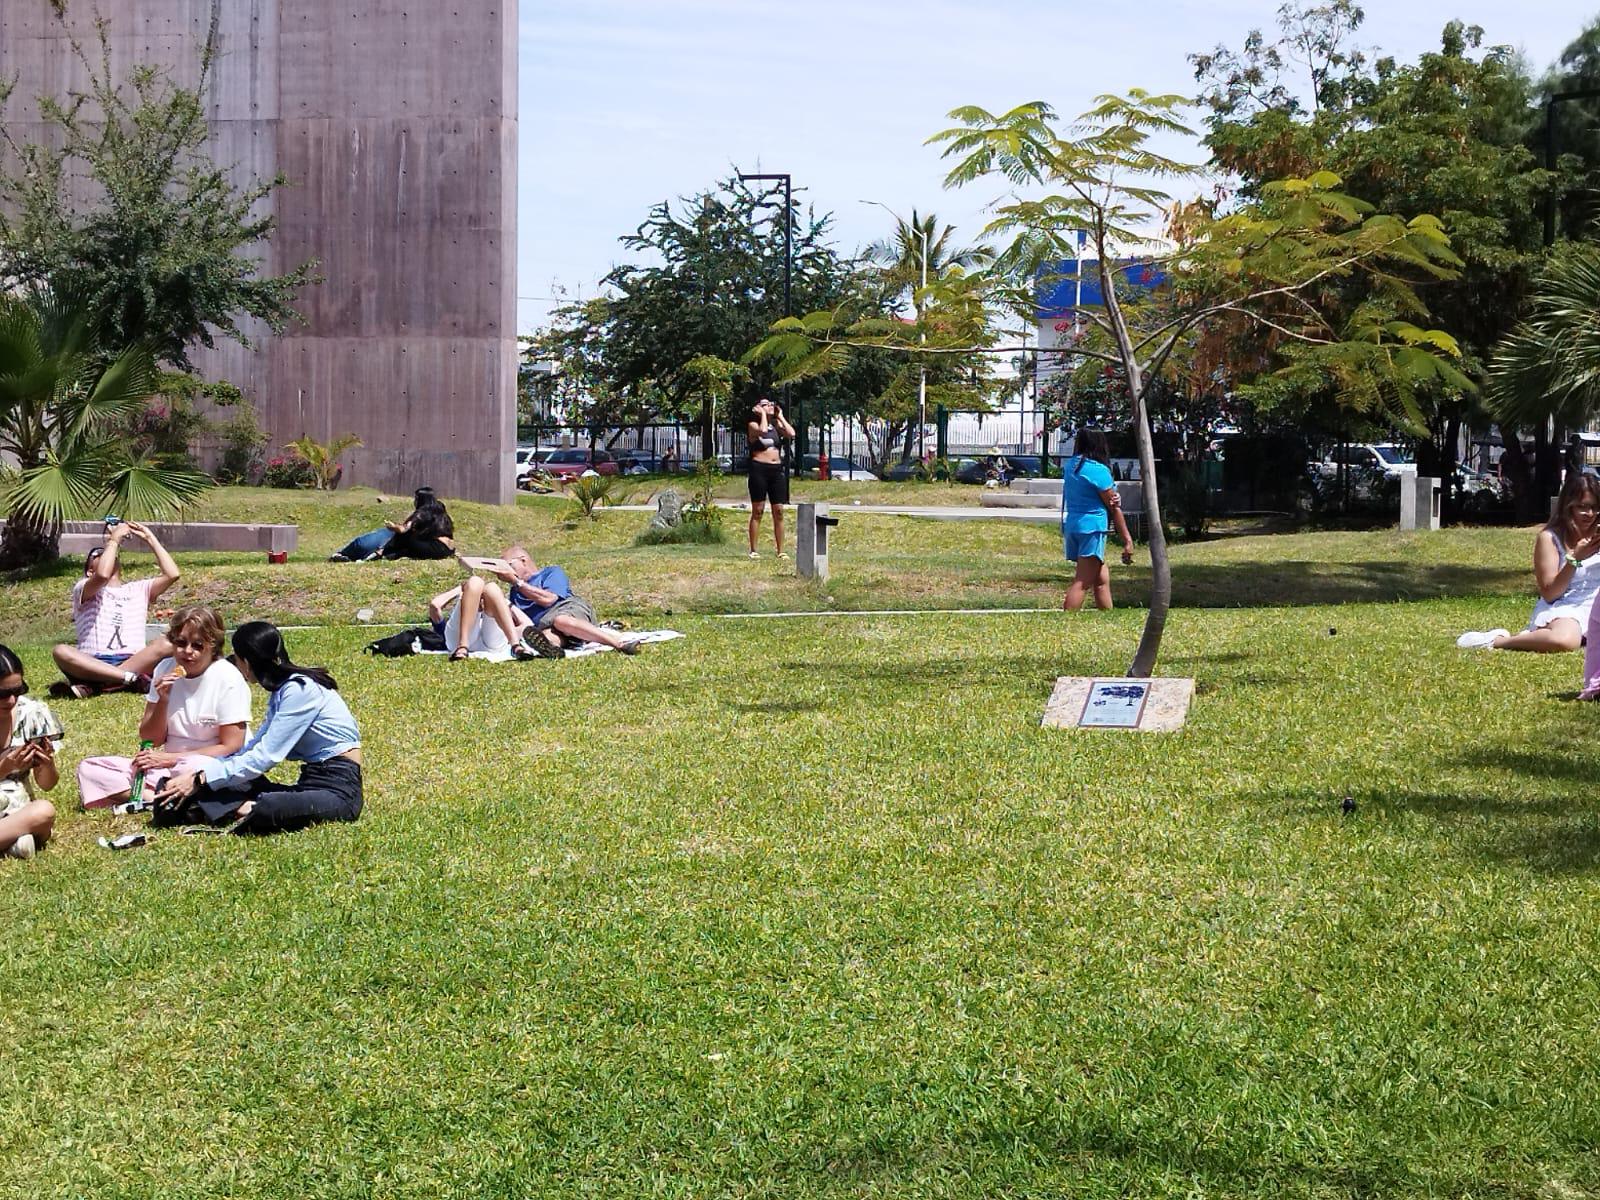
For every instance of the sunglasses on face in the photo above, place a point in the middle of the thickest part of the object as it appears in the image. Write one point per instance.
(12, 693)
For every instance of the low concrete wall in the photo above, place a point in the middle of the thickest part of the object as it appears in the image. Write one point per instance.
(80, 537)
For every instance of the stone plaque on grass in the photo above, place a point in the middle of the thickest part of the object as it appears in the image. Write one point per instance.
(1147, 705)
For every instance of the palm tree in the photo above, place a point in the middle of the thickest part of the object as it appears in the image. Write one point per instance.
(1549, 365)
(917, 253)
(900, 255)
(61, 409)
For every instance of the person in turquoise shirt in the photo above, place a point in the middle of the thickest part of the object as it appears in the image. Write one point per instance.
(1089, 502)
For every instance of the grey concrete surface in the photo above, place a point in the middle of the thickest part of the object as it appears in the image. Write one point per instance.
(396, 128)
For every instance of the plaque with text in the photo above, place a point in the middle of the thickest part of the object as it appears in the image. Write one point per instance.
(1145, 705)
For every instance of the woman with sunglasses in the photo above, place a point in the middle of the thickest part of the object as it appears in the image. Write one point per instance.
(307, 721)
(1566, 566)
(197, 709)
(29, 738)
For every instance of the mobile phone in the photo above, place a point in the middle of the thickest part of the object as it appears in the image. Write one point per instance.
(112, 520)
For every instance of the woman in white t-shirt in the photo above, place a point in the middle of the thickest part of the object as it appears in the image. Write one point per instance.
(198, 707)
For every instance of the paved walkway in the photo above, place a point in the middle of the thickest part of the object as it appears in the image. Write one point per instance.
(953, 512)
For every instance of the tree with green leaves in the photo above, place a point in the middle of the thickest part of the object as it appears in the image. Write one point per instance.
(917, 252)
(119, 204)
(1276, 261)
(1549, 366)
(1446, 134)
(63, 409)
(1573, 129)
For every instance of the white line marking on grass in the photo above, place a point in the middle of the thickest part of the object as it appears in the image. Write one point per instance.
(890, 612)
(754, 616)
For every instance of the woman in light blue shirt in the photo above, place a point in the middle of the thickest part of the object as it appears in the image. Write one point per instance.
(307, 721)
(1088, 498)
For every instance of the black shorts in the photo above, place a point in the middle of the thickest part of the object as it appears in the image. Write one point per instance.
(768, 482)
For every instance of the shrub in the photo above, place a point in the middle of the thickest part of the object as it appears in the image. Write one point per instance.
(589, 493)
(322, 458)
(289, 471)
(699, 521)
(684, 533)
(242, 442)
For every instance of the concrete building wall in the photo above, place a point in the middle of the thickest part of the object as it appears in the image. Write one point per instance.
(395, 125)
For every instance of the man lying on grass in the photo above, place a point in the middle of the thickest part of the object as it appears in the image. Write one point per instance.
(537, 620)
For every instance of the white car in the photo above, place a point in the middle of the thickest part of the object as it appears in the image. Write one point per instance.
(839, 467)
(1376, 458)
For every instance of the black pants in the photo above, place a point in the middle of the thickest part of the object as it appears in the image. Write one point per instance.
(325, 791)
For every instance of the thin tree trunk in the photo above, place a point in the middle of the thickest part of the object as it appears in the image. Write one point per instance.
(1155, 622)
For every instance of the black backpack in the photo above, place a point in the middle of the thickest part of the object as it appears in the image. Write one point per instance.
(407, 642)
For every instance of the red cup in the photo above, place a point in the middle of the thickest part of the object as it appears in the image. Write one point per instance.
(277, 557)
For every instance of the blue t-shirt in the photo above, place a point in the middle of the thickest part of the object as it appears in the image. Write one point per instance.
(1081, 485)
(551, 579)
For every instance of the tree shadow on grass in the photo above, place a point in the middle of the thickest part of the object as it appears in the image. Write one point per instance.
(1554, 834)
(1290, 584)
(791, 707)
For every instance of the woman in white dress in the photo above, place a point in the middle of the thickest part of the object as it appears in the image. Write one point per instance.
(1566, 566)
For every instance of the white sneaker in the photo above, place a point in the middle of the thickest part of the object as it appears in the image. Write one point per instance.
(753, 554)
(1483, 640)
(23, 847)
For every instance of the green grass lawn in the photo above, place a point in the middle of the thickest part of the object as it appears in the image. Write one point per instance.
(814, 908)
(878, 562)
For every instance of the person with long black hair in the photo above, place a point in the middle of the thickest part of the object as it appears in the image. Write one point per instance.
(307, 721)
(767, 430)
(1088, 498)
(30, 735)
(427, 533)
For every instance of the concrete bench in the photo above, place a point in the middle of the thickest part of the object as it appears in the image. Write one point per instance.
(79, 537)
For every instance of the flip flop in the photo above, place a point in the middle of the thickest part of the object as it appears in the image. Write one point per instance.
(459, 654)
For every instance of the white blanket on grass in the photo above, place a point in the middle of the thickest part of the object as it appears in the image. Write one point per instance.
(504, 653)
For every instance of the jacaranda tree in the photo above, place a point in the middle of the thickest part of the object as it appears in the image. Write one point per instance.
(1283, 260)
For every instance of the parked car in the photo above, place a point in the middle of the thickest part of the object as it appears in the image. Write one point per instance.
(638, 462)
(903, 470)
(530, 465)
(1376, 458)
(839, 467)
(991, 467)
(569, 464)
(1481, 491)
(1026, 466)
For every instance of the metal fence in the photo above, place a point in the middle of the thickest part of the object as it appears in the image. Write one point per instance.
(1011, 432)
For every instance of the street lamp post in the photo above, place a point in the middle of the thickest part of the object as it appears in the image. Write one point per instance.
(922, 335)
(788, 280)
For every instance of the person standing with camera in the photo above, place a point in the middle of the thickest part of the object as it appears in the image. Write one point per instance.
(767, 430)
(111, 654)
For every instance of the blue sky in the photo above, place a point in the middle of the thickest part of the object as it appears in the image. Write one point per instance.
(628, 102)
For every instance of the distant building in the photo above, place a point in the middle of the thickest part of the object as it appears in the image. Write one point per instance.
(1070, 290)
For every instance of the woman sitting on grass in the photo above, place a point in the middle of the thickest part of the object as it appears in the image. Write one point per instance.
(427, 533)
(30, 736)
(1567, 573)
(307, 721)
(197, 709)
(111, 654)
(1089, 500)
